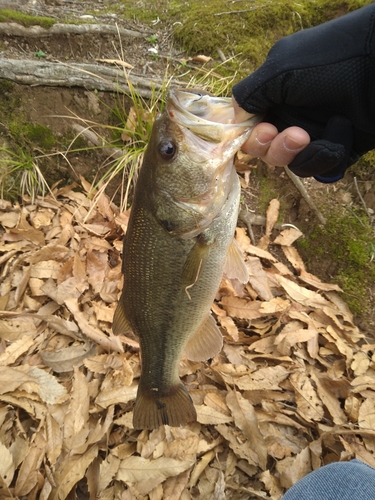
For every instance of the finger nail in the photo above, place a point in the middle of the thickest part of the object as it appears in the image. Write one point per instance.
(263, 138)
(291, 144)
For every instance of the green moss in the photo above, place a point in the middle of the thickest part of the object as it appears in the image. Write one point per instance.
(7, 16)
(32, 135)
(241, 29)
(251, 34)
(348, 240)
(5, 86)
(268, 190)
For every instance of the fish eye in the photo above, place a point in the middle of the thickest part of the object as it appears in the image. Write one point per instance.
(167, 150)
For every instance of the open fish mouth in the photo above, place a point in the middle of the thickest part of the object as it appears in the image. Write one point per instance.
(207, 116)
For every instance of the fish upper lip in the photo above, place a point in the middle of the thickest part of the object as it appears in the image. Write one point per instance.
(174, 98)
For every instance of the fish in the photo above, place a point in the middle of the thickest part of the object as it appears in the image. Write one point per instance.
(179, 241)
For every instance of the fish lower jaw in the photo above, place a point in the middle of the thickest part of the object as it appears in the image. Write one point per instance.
(168, 406)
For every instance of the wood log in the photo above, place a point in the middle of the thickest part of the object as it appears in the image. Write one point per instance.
(14, 29)
(89, 76)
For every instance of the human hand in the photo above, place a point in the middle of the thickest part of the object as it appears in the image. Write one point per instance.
(320, 80)
(266, 143)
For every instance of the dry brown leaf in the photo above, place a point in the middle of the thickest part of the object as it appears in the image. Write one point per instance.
(9, 219)
(359, 451)
(285, 341)
(116, 396)
(300, 294)
(287, 237)
(366, 414)
(229, 325)
(70, 471)
(241, 308)
(117, 62)
(51, 258)
(360, 363)
(292, 469)
(174, 486)
(201, 58)
(110, 343)
(27, 478)
(107, 471)
(272, 484)
(76, 418)
(329, 400)
(101, 363)
(245, 419)
(49, 389)
(54, 439)
(16, 328)
(210, 416)
(238, 444)
(7, 468)
(258, 278)
(65, 360)
(268, 378)
(309, 406)
(15, 350)
(147, 474)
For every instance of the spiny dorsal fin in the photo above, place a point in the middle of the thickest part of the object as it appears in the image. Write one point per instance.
(235, 267)
(206, 342)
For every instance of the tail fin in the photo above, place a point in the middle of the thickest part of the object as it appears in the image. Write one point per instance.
(152, 410)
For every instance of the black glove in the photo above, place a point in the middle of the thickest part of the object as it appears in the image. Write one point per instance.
(323, 80)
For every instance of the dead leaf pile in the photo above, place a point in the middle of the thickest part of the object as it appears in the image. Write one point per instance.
(292, 390)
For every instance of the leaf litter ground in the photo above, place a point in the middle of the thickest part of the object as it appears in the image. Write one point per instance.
(292, 390)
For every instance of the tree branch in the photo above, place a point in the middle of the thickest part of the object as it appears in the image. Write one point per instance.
(89, 76)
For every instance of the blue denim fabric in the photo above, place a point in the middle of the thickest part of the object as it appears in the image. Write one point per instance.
(352, 480)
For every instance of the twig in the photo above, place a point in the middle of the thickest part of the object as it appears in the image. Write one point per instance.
(221, 55)
(360, 196)
(355, 215)
(305, 195)
(92, 137)
(235, 11)
(253, 220)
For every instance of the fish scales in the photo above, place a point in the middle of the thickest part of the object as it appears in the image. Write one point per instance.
(182, 223)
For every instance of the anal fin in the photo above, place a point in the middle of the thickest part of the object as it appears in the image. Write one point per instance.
(235, 267)
(120, 322)
(206, 342)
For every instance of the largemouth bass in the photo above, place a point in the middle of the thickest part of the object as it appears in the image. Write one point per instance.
(178, 240)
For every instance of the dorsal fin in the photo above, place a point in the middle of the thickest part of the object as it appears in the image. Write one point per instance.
(235, 267)
(206, 342)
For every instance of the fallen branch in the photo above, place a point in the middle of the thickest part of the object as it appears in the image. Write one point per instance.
(89, 76)
(14, 29)
(94, 139)
(305, 195)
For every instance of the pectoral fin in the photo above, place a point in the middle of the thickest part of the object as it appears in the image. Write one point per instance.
(120, 322)
(235, 267)
(206, 342)
(193, 266)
